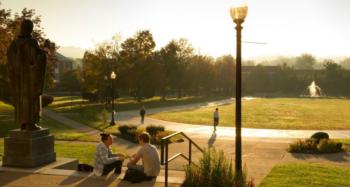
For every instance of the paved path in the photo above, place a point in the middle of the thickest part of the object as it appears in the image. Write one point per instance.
(70, 123)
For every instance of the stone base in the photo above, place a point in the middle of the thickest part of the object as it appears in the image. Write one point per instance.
(27, 149)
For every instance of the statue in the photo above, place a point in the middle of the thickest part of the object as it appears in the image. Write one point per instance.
(26, 65)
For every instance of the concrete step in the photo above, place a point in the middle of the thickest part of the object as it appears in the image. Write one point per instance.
(67, 167)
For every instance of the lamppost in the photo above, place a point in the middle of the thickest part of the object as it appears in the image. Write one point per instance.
(238, 15)
(106, 91)
(113, 76)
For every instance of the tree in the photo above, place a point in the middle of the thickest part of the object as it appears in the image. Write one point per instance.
(70, 81)
(137, 53)
(225, 74)
(334, 81)
(199, 74)
(175, 57)
(345, 63)
(305, 61)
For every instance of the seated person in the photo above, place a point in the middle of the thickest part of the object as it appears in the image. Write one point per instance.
(105, 160)
(150, 157)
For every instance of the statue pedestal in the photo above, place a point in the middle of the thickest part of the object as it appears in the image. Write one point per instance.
(27, 149)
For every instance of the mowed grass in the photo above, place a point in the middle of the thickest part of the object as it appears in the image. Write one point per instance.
(74, 104)
(273, 113)
(90, 113)
(59, 130)
(84, 152)
(311, 175)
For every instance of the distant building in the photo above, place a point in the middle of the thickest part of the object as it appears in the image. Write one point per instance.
(246, 70)
(63, 64)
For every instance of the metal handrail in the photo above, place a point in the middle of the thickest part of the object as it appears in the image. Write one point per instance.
(165, 152)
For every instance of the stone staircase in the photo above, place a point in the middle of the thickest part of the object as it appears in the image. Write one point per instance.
(67, 167)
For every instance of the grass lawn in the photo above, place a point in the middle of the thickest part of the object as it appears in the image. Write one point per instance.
(274, 113)
(312, 175)
(59, 130)
(84, 152)
(74, 104)
(90, 114)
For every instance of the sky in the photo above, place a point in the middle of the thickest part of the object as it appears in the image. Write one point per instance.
(288, 27)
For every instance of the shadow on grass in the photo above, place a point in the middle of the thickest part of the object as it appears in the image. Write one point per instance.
(335, 157)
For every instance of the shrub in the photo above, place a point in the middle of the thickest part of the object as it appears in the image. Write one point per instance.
(301, 146)
(128, 132)
(329, 146)
(319, 136)
(214, 170)
(46, 100)
(91, 96)
(124, 128)
(154, 129)
(313, 146)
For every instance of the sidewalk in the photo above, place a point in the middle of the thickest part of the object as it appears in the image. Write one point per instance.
(198, 131)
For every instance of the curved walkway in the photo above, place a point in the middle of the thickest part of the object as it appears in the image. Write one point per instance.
(230, 132)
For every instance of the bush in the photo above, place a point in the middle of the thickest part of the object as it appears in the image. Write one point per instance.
(214, 170)
(301, 146)
(124, 128)
(319, 136)
(154, 129)
(92, 97)
(46, 100)
(129, 132)
(329, 146)
(313, 146)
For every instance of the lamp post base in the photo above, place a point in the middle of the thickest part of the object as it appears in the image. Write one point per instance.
(112, 123)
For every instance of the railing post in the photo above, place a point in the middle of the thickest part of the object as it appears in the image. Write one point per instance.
(190, 152)
(166, 163)
(162, 152)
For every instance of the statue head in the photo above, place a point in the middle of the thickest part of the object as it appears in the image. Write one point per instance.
(26, 27)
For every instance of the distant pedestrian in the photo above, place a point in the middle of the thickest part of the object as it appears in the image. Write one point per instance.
(142, 114)
(216, 118)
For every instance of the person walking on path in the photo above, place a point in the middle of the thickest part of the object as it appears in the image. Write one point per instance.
(142, 114)
(216, 118)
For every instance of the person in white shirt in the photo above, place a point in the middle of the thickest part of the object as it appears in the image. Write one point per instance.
(216, 118)
(105, 160)
(149, 155)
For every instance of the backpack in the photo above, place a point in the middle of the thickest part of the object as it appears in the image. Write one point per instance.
(85, 168)
(135, 176)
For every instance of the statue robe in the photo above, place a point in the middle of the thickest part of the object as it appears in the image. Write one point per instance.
(26, 65)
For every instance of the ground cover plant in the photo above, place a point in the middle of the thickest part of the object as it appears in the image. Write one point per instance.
(215, 169)
(131, 133)
(318, 143)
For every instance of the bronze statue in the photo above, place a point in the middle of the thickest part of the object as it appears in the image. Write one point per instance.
(26, 65)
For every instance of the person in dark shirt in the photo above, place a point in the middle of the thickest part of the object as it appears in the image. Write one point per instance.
(142, 114)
